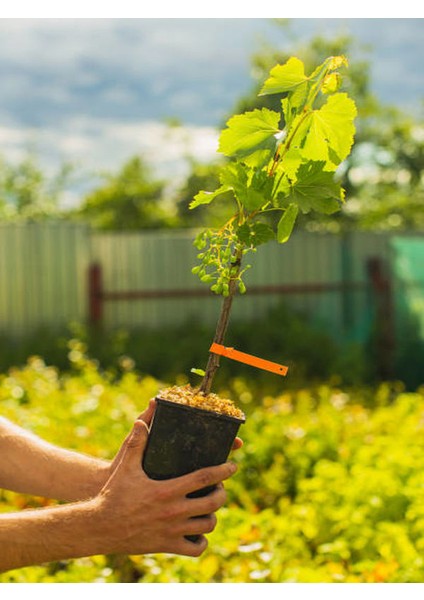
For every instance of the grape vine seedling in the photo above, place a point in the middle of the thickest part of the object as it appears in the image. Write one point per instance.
(279, 163)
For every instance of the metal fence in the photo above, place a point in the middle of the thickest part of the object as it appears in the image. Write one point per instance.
(55, 272)
(357, 287)
(42, 275)
(145, 279)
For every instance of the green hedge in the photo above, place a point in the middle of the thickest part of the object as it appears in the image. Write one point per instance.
(330, 486)
(282, 335)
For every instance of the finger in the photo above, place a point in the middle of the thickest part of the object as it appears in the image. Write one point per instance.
(200, 525)
(148, 413)
(195, 548)
(146, 417)
(205, 505)
(135, 444)
(238, 443)
(204, 477)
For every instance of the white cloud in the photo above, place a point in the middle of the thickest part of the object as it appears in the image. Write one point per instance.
(97, 146)
(97, 91)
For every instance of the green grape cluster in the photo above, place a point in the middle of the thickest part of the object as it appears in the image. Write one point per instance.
(220, 260)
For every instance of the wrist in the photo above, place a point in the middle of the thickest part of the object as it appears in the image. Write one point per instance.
(98, 479)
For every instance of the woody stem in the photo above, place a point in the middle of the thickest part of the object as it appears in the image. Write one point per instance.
(221, 328)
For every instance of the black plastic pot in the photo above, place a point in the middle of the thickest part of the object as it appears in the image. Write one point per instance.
(184, 438)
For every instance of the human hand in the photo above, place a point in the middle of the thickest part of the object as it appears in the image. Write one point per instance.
(146, 416)
(139, 515)
(131, 514)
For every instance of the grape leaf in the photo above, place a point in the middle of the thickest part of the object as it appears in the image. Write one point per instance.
(252, 199)
(329, 131)
(314, 189)
(289, 78)
(262, 182)
(204, 197)
(200, 372)
(233, 175)
(258, 192)
(334, 62)
(254, 234)
(331, 83)
(286, 223)
(290, 163)
(330, 64)
(249, 133)
(285, 78)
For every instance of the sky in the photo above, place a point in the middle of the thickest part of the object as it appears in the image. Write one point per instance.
(96, 91)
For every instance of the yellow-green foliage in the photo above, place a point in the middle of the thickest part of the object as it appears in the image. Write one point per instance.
(330, 486)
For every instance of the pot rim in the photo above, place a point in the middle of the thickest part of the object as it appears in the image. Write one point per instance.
(203, 411)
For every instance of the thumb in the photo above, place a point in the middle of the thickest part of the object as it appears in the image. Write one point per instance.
(136, 444)
(147, 414)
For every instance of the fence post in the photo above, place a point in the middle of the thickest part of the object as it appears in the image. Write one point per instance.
(95, 294)
(346, 279)
(384, 318)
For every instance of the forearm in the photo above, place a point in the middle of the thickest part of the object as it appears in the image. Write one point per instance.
(44, 535)
(31, 465)
(132, 514)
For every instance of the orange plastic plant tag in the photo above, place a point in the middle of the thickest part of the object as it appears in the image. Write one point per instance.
(248, 359)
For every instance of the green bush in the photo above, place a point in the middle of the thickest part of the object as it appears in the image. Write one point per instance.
(330, 486)
(282, 335)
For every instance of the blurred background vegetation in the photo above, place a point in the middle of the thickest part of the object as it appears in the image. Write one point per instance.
(330, 486)
(383, 179)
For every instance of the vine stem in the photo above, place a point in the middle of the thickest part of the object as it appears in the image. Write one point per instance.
(222, 325)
